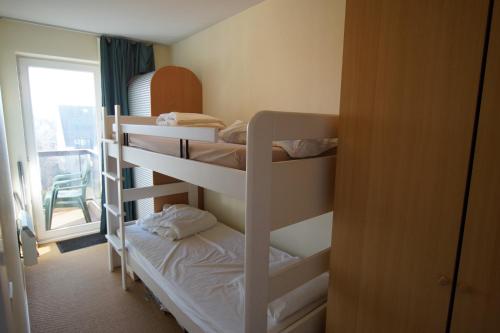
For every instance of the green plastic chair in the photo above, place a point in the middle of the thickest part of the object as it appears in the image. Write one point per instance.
(68, 190)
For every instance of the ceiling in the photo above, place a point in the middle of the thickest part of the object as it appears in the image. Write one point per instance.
(161, 21)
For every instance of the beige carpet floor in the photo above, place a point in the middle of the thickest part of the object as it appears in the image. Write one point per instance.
(75, 292)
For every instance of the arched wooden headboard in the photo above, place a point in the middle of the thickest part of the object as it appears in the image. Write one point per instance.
(174, 89)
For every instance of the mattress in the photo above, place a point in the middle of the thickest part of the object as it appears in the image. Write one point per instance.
(203, 274)
(221, 153)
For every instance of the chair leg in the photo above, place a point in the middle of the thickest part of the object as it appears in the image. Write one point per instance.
(85, 210)
(47, 216)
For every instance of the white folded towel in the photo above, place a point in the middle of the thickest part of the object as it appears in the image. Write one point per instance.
(178, 221)
(189, 119)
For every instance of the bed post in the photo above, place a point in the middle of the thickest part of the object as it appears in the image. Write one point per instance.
(113, 258)
(119, 184)
(193, 196)
(257, 221)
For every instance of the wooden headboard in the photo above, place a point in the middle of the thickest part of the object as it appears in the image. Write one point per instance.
(174, 89)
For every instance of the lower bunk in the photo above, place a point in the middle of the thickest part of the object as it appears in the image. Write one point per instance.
(199, 279)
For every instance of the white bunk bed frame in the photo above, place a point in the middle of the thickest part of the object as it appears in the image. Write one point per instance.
(277, 194)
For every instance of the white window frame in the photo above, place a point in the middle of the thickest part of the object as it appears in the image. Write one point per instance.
(34, 179)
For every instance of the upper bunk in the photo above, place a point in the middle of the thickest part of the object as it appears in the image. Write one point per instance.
(306, 182)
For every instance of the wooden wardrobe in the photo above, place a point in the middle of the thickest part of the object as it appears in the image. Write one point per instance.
(416, 233)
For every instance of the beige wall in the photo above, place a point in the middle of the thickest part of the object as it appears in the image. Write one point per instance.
(162, 55)
(18, 37)
(278, 55)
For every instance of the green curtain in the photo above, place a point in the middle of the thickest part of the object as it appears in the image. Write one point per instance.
(121, 59)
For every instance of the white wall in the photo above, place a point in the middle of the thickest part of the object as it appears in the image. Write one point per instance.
(277, 55)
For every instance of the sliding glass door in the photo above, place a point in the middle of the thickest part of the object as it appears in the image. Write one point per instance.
(60, 100)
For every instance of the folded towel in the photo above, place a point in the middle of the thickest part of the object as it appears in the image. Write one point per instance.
(156, 223)
(189, 119)
(178, 221)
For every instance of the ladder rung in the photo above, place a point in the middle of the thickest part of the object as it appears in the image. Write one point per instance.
(115, 242)
(111, 175)
(108, 141)
(112, 209)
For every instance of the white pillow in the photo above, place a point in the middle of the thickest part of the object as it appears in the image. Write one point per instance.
(306, 147)
(310, 292)
(235, 133)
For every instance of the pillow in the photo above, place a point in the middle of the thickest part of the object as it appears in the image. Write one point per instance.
(235, 133)
(310, 292)
(306, 147)
(185, 221)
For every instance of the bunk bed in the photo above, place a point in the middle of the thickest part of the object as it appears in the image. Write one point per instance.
(278, 192)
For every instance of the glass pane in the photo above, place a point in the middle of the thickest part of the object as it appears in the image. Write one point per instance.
(63, 104)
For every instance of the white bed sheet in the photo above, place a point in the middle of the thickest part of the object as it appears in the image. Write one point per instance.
(201, 274)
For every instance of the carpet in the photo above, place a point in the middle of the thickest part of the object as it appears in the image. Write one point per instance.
(75, 292)
(80, 242)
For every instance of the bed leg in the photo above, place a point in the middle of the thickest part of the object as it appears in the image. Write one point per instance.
(132, 274)
(113, 258)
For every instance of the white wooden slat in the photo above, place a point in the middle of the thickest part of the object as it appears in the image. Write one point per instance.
(293, 125)
(111, 175)
(176, 132)
(295, 275)
(115, 242)
(220, 179)
(301, 189)
(113, 152)
(113, 209)
(154, 191)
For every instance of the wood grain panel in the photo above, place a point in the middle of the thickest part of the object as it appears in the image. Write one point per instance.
(174, 89)
(477, 300)
(409, 86)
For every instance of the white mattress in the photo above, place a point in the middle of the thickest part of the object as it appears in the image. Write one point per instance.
(201, 274)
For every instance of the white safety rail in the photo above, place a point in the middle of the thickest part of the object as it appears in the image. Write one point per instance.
(277, 194)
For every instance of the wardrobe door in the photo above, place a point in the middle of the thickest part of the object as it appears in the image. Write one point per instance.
(410, 83)
(477, 298)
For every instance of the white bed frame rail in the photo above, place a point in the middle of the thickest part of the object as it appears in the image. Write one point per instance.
(277, 194)
(280, 194)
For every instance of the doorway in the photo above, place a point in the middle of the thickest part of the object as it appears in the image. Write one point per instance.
(59, 101)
